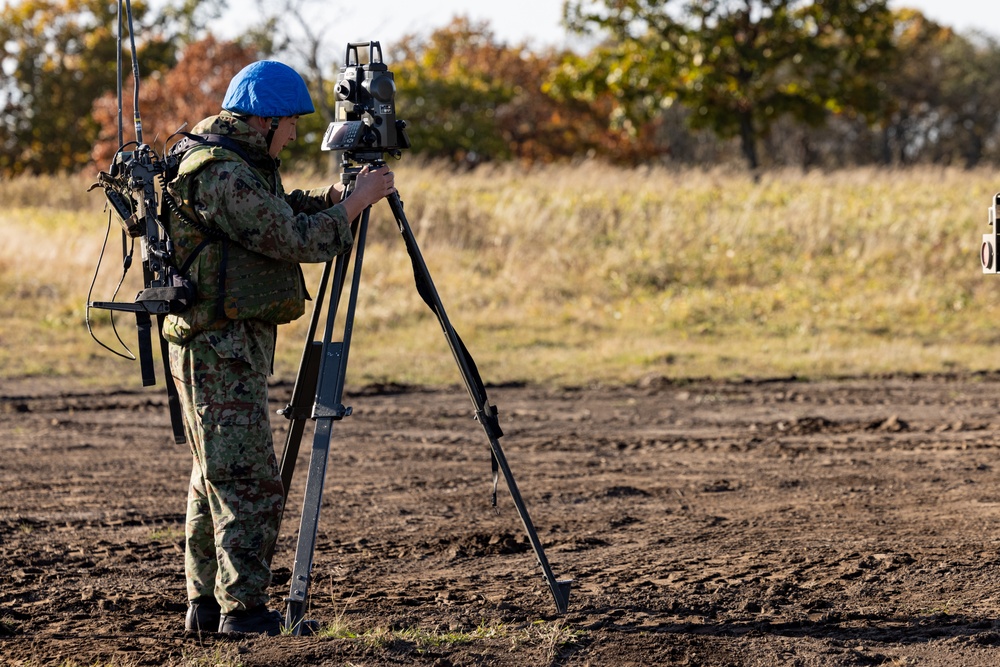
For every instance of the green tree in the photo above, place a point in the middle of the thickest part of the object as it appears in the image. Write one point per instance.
(914, 87)
(943, 94)
(970, 94)
(737, 65)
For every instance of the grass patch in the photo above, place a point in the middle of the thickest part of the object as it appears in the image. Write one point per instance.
(421, 638)
(575, 275)
(166, 534)
(218, 656)
(9, 626)
(554, 637)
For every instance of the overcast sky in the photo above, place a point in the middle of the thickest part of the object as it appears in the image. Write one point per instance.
(964, 15)
(534, 21)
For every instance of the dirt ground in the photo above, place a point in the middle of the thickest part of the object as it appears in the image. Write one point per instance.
(850, 522)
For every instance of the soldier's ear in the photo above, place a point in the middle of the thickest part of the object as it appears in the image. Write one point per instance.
(258, 123)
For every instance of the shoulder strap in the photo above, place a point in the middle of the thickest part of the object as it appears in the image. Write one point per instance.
(193, 140)
(178, 151)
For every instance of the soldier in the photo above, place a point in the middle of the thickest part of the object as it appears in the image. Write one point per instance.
(240, 238)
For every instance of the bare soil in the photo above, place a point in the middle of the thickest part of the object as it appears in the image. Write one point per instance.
(848, 522)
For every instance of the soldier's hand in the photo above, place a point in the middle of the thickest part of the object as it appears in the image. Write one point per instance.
(372, 185)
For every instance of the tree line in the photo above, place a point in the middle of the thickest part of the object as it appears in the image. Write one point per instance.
(813, 83)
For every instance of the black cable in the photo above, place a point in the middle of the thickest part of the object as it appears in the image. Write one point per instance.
(90, 329)
(175, 207)
(128, 250)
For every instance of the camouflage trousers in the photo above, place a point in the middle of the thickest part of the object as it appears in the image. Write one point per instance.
(235, 498)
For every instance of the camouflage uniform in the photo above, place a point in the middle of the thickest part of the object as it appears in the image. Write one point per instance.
(221, 364)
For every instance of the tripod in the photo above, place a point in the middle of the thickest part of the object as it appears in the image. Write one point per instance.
(318, 393)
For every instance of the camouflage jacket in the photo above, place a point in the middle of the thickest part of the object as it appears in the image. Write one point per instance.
(245, 201)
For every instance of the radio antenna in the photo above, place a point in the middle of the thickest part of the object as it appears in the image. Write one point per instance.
(135, 72)
(118, 71)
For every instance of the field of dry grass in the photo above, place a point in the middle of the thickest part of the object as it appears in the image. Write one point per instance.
(574, 275)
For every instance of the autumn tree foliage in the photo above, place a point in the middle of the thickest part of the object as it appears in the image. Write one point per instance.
(814, 82)
(172, 100)
(471, 98)
(55, 53)
(60, 55)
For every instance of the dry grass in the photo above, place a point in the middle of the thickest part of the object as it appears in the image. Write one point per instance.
(589, 274)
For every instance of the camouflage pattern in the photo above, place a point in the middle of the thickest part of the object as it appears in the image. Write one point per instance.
(235, 498)
(246, 202)
(220, 365)
(260, 288)
(254, 286)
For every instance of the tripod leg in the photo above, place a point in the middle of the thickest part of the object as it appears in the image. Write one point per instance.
(298, 411)
(298, 408)
(485, 413)
(560, 588)
(326, 409)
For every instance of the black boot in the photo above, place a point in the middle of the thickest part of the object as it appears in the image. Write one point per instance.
(202, 615)
(259, 621)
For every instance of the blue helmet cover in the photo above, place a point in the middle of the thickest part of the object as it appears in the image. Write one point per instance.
(269, 89)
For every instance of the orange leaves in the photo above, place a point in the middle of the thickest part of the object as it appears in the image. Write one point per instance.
(190, 91)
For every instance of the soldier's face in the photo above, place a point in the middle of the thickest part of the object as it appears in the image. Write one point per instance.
(284, 135)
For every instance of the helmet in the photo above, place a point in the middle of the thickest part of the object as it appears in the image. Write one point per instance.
(269, 89)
